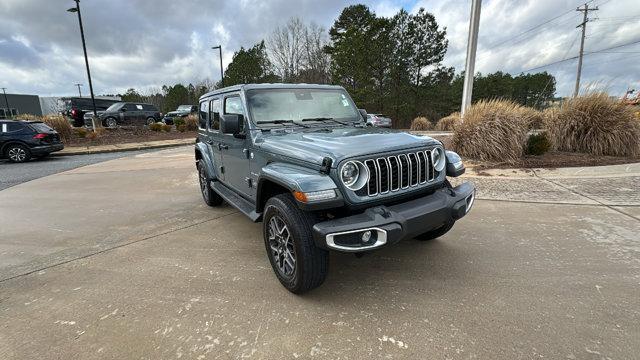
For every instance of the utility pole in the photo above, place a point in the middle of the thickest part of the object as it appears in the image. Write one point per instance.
(79, 91)
(4, 91)
(86, 62)
(219, 47)
(472, 45)
(585, 19)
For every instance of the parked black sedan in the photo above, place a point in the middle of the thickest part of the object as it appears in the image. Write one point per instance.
(22, 140)
(125, 113)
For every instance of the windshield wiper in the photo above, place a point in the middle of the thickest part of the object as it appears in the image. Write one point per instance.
(278, 122)
(326, 119)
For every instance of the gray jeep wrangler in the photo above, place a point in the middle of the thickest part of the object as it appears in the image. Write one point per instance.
(300, 159)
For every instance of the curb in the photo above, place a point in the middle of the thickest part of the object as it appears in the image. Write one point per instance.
(90, 151)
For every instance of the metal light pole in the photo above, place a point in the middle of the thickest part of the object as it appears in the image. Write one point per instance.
(86, 61)
(79, 91)
(4, 91)
(219, 47)
(472, 44)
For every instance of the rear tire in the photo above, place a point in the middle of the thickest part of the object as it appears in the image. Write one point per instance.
(436, 233)
(17, 153)
(209, 196)
(291, 238)
(151, 120)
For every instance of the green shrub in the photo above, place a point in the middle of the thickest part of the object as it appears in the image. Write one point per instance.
(178, 122)
(421, 123)
(191, 122)
(494, 130)
(538, 144)
(156, 126)
(594, 124)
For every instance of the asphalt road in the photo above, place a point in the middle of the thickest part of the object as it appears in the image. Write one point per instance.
(13, 174)
(132, 264)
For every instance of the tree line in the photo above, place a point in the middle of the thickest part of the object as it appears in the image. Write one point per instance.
(390, 65)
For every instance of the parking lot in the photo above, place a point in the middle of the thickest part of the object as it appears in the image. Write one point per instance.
(136, 266)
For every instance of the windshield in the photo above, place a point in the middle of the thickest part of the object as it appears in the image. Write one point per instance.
(115, 106)
(296, 105)
(184, 107)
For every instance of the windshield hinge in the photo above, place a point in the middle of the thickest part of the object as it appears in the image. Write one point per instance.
(326, 165)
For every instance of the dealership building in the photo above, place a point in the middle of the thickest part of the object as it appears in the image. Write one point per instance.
(15, 104)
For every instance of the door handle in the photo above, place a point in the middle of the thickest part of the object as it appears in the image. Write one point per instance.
(222, 146)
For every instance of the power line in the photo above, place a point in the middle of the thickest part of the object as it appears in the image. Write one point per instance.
(587, 53)
(533, 28)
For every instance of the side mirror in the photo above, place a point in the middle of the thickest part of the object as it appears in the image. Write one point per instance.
(231, 123)
(123, 109)
(363, 112)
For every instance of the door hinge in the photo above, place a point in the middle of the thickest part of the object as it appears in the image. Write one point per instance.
(249, 181)
(222, 169)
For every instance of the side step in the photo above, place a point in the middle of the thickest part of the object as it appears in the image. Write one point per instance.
(236, 201)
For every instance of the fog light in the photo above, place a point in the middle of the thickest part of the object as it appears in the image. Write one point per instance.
(366, 236)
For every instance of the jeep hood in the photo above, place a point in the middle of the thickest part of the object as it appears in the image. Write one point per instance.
(339, 143)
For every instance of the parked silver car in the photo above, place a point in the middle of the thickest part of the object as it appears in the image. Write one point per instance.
(378, 120)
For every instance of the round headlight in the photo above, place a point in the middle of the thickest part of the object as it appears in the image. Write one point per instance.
(439, 160)
(354, 175)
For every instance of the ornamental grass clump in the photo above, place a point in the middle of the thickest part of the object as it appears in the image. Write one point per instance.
(493, 130)
(594, 124)
(421, 123)
(448, 123)
(191, 122)
(59, 124)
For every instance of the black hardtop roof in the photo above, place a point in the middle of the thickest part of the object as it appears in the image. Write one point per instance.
(245, 87)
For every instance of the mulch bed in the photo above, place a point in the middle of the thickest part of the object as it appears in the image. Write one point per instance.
(128, 135)
(557, 159)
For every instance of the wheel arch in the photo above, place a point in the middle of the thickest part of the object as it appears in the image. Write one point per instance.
(202, 153)
(4, 147)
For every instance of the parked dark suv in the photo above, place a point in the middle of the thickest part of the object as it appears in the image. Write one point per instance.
(181, 112)
(76, 107)
(301, 159)
(126, 113)
(21, 140)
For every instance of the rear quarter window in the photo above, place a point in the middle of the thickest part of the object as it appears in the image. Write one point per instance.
(149, 107)
(40, 127)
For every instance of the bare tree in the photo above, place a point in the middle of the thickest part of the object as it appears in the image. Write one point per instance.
(316, 60)
(286, 48)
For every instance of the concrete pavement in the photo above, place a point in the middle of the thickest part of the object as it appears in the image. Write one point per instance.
(136, 266)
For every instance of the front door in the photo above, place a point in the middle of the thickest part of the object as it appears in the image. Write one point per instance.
(235, 152)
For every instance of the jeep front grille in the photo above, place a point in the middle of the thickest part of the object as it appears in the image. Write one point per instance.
(398, 172)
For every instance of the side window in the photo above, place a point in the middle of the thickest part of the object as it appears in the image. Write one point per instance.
(214, 114)
(14, 126)
(204, 111)
(149, 107)
(233, 105)
(130, 107)
(139, 107)
(3, 128)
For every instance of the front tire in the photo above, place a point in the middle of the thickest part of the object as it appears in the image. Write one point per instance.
(17, 153)
(209, 196)
(111, 123)
(150, 121)
(299, 265)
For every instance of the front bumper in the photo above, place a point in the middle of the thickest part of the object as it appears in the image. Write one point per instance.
(390, 224)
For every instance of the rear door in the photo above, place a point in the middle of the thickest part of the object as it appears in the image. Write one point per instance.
(209, 134)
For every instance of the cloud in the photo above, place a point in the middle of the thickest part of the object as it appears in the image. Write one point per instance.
(144, 44)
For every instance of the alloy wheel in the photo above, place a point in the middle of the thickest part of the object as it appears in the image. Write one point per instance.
(111, 123)
(17, 154)
(203, 183)
(282, 247)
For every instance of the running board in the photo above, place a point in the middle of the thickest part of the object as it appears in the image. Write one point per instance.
(237, 201)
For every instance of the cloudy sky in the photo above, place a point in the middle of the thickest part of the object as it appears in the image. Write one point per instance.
(147, 43)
